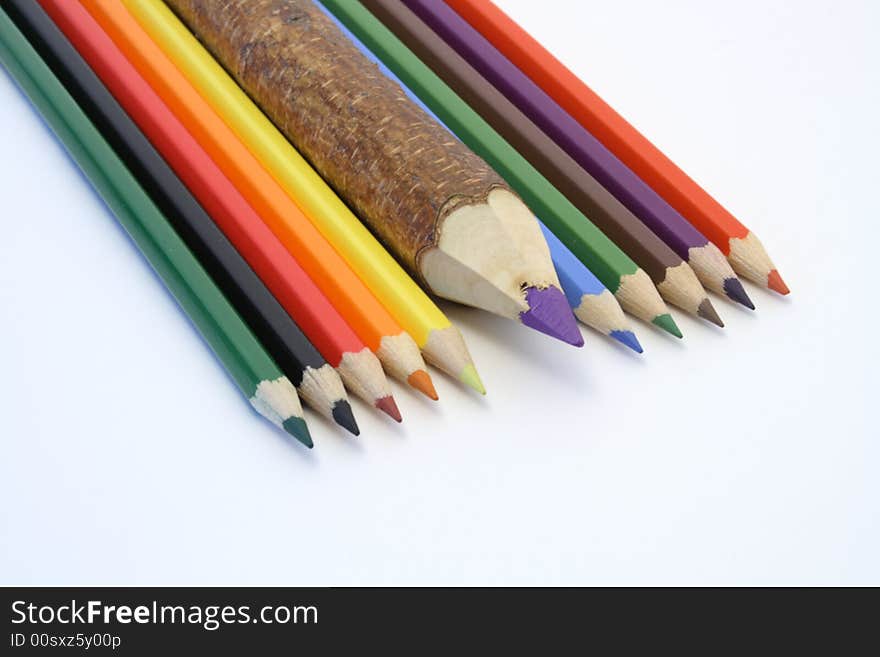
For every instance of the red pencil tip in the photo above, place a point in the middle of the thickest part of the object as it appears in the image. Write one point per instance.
(389, 406)
(421, 381)
(775, 282)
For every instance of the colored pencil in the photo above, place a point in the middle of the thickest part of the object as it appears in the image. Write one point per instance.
(738, 243)
(328, 331)
(395, 348)
(647, 210)
(253, 371)
(450, 220)
(616, 270)
(590, 300)
(440, 341)
(673, 277)
(316, 382)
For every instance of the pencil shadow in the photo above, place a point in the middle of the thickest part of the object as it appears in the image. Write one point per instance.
(768, 295)
(293, 446)
(333, 431)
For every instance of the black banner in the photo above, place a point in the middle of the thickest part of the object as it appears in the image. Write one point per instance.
(261, 621)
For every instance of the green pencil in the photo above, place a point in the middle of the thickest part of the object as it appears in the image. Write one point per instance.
(268, 390)
(632, 286)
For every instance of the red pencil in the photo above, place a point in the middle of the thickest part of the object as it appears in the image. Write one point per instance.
(297, 293)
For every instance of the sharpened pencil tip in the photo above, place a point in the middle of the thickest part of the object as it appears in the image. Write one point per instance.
(734, 290)
(344, 417)
(470, 378)
(668, 324)
(421, 381)
(297, 428)
(389, 406)
(550, 313)
(775, 283)
(629, 339)
(707, 311)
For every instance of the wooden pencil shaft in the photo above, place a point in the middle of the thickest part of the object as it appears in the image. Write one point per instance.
(290, 349)
(228, 336)
(399, 170)
(594, 201)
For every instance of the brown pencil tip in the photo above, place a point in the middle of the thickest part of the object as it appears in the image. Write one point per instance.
(775, 282)
(421, 381)
(389, 406)
(707, 311)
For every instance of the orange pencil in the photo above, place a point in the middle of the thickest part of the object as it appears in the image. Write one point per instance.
(739, 244)
(370, 320)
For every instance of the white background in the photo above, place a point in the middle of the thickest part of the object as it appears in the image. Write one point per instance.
(742, 456)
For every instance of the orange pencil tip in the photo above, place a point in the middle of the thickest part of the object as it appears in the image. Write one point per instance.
(775, 282)
(389, 406)
(421, 381)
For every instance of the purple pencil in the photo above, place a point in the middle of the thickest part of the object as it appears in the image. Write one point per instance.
(709, 263)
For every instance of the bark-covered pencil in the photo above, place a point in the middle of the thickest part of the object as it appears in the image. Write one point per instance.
(451, 221)
(736, 241)
(629, 283)
(325, 327)
(673, 277)
(254, 372)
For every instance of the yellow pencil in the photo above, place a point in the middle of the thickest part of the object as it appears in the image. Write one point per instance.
(440, 341)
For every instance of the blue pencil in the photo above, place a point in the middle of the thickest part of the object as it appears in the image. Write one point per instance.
(591, 301)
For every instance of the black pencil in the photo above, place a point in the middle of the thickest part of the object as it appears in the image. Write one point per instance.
(316, 381)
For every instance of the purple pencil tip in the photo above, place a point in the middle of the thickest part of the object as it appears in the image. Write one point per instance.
(550, 313)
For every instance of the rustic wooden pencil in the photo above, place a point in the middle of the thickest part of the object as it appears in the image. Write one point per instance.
(328, 331)
(253, 371)
(630, 285)
(738, 243)
(316, 381)
(590, 300)
(450, 220)
(440, 341)
(673, 277)
(371, 321)
(663, 231)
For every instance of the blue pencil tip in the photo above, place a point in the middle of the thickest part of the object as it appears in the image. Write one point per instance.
(629, 339)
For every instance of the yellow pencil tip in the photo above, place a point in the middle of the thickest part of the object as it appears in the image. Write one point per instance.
(470, 377)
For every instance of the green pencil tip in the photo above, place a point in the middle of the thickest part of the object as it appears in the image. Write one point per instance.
(297, 428)
(668, 324)
(470, 377)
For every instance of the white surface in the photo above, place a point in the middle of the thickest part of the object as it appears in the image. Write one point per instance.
(741, 456)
